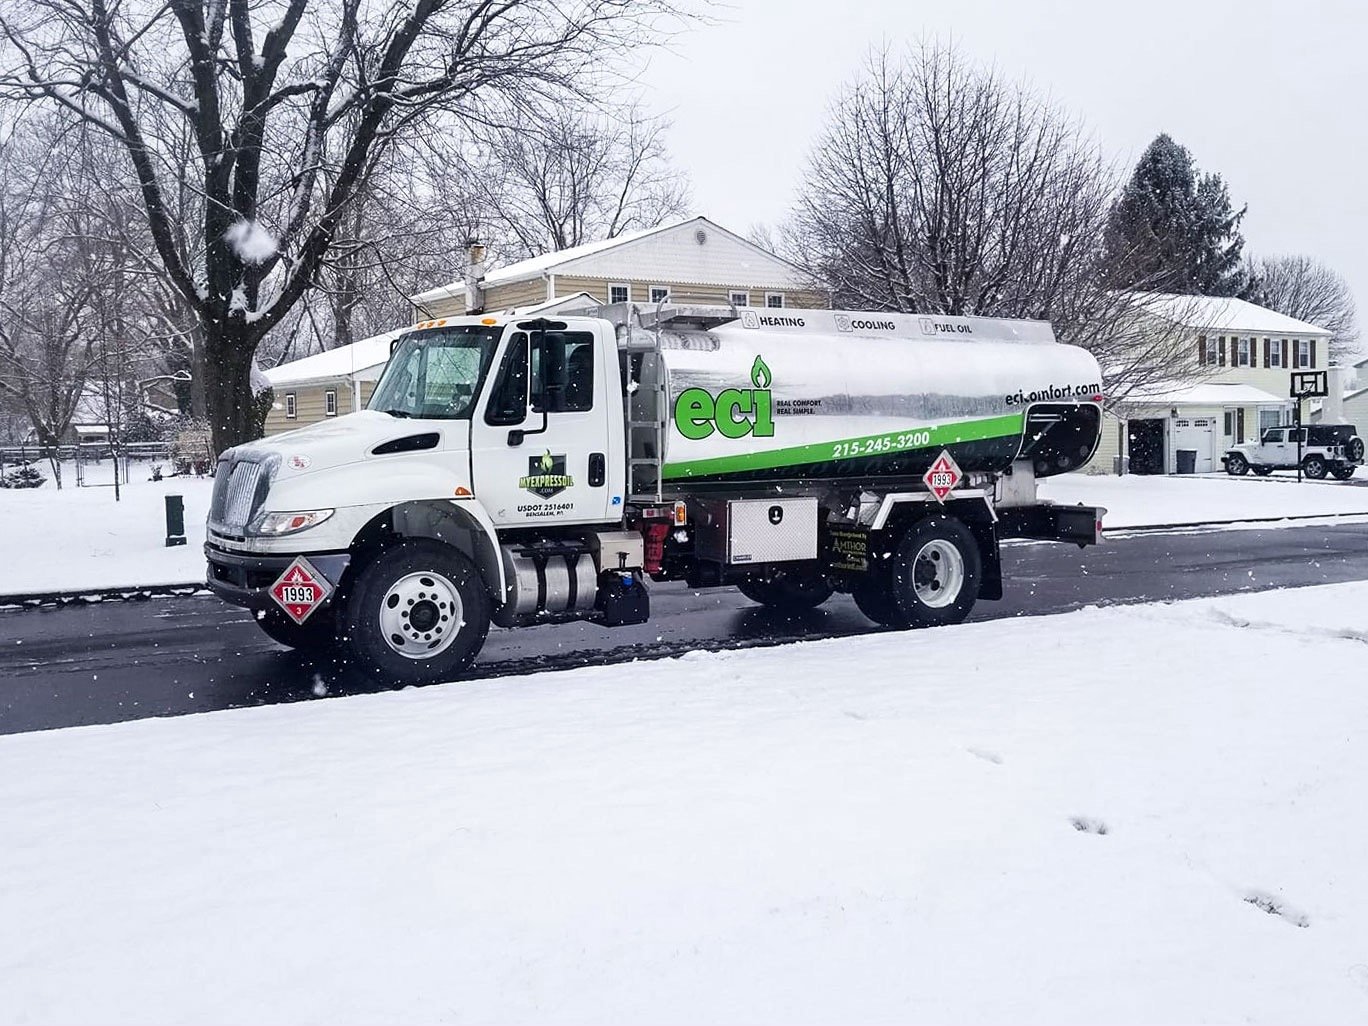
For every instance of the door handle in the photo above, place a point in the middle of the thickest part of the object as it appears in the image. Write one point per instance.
(598, 469)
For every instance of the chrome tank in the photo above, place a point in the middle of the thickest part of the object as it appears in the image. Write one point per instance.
(820, 394)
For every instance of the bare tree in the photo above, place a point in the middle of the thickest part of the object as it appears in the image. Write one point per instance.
(558, 178)
(1305, 288)
(292, 105)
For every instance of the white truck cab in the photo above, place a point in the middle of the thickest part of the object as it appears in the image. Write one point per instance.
(513, 470)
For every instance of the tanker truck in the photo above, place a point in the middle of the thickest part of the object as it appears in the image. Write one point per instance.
(515, 470)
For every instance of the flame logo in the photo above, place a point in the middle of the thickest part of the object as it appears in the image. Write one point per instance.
(760, 374)
(547, 463)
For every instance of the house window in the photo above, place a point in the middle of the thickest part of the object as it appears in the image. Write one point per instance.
(1303, 355)
(1243, 349)
(740, 299)
(290, 407)
(619, 293)
(330, 402)
(1208, 351)
(1229, 423)
(774, 300)
(660, 292)
(1269, 419)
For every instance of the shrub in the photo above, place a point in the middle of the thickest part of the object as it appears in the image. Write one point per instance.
(24, 477)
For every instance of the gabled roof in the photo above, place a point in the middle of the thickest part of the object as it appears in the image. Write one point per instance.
(1217, 313)
(669, 252)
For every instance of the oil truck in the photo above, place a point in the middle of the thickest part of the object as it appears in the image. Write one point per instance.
(512, 470)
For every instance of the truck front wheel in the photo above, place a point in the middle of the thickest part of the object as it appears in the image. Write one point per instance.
(1237, 465)
(418, 614)
(1313, 467)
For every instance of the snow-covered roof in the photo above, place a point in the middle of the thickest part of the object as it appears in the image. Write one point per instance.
(1217, 313)
(334, 364)
(365, 360)
(1212, 393)
(731, 260)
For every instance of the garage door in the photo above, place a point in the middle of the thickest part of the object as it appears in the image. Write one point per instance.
(1197, 433)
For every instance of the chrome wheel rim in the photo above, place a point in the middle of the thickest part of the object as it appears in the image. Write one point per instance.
(937, 574)
(421, 615)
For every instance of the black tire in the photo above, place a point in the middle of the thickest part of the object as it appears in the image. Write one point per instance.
(890, 596)
(1261, 471)
(874, 598)
(1237, 465)
(1343, 472)
(792, 590)
(1355, 449)
(925, 548)
(413, 588)
(313, 635)
(1314, 468)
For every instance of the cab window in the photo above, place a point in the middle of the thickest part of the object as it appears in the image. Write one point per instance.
(550, 371)
(1272, 436)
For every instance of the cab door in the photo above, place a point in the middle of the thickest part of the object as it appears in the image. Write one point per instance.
(540, 438)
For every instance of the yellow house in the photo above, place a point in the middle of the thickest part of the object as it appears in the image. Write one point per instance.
(689, 261)
(1236, 383)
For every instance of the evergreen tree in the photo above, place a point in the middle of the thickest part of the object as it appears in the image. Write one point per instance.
(1173, 229)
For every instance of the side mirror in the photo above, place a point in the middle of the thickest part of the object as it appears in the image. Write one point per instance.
(515, 437)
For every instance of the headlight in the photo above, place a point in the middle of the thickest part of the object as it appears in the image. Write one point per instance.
(273, 525)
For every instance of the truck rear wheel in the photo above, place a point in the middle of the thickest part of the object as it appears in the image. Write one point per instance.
(418, 614)
(788, 589)
(317, 632)
(1343, 472)
(932, 580)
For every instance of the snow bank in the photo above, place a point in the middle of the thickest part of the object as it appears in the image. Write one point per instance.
(78, 538)
(1134, 814)
(1140, 500)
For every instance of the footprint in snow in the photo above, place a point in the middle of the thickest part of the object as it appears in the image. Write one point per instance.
(986, 755)
(1276, 906)
(1088, 825)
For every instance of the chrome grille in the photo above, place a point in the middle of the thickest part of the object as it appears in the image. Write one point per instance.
(235, 494)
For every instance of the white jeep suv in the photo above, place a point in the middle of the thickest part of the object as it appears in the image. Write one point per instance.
(1333, 448)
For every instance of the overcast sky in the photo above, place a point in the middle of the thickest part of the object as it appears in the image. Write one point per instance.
(1271, 95)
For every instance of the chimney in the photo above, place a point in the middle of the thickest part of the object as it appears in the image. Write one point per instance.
(475, 276)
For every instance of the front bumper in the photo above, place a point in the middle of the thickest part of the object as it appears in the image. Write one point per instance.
(245, 580)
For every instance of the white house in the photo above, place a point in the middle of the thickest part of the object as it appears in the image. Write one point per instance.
(1236, 384)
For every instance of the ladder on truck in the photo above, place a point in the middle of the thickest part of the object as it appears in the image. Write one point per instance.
(646, 401)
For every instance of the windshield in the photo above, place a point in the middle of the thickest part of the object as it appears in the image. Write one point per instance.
(436, 374)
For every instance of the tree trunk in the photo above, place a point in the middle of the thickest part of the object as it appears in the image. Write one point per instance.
(235, 416)
(198, 404)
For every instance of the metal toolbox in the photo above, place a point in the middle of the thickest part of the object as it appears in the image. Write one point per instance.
(756, 530)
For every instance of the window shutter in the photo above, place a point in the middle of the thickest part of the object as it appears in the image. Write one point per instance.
(1312, 347)
(1221, 351)
(1234, 351)
(1268, 353)
(1201, 350)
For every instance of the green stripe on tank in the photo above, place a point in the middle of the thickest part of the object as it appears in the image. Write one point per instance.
(863, 447)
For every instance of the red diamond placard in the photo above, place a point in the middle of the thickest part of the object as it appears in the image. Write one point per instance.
(300, 590)
(944, 476)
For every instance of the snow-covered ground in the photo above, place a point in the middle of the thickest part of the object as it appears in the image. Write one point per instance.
(76, 538)
(1139, 500)
(1134, 814)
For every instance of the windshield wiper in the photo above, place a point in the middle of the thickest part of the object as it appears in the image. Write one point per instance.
(399, 413)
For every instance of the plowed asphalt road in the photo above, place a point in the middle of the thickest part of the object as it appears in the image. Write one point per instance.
(165, 657)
